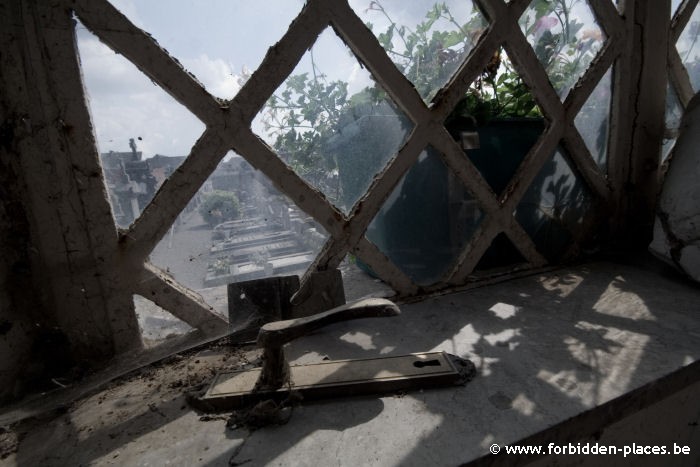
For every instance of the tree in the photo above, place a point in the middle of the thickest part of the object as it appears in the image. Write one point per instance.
(219, 206)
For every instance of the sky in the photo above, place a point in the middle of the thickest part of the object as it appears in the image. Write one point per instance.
(217, 44)
(217, 41)
(213, 43)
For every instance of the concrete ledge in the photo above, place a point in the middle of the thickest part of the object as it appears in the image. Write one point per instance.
(597, 350)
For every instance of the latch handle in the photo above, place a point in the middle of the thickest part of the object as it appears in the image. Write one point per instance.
(272, 336)
(278, 333)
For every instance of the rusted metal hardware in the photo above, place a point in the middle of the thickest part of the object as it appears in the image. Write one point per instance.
(273, 336)
(339, 378)
(279, 381)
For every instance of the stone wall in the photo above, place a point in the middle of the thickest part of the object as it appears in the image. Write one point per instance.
(17, 326)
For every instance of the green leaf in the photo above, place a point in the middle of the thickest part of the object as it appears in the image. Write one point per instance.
(386, 38)
(433, 14)
(453, 38)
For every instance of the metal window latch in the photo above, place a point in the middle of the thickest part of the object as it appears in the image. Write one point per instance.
(273, 336)
(277, 379)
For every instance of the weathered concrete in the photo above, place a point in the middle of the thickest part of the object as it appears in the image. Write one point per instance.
(546, 349)
(18, 330)
(638, 108)
(325, 291)
(677, 227)
(49, 136)
(254, 303)
(52, 258)
(90, 270)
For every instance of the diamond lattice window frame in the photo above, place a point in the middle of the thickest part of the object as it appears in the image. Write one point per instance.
(228, 126)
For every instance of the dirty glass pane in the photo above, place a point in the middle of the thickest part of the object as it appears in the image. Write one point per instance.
(498, 93)
(238, 227)
(674, 6)
(497, 122)
(156, 324)
(426, 40)
(674, 113)
(593, 120)
(142, 133)
(219, 41)
(498, 147)
(565, 38)
(332, 123)
(689, 48)
(554, 207)
(426, 221)
(215, 46)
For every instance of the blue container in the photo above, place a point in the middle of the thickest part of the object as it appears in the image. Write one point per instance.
(427, 220)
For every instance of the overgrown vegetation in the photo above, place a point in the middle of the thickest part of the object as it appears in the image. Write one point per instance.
(219, 206)
(310, 115)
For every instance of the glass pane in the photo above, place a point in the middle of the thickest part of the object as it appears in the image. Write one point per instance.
(426, 40)
(222, 42)
(426, 221)
(238, 227)
(593, 121)
(156, 324)
(332, 123)
(674, 113)
(565, 37)
(554, 206)
(135, 122)
(689, 49)
(674, 6)
(498, 146)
